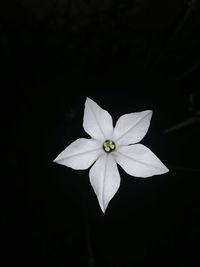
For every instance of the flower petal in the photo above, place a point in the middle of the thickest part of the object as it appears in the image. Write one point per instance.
(105, 179)
(80, 154)
(131, 128)
(138, 160)
(97, 122)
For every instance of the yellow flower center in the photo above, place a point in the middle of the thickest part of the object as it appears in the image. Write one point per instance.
(109, 146)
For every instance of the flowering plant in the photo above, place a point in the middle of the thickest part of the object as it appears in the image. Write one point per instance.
(109, 146)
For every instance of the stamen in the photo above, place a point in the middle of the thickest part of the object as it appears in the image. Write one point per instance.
(109, 146)
(107, 149)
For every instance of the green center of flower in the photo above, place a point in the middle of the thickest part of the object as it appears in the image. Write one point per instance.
(109, 146)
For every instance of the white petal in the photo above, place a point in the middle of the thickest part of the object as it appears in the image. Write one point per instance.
(131, 128)
(105, 179)
(138, 160)
(80, 154)
(97, 122)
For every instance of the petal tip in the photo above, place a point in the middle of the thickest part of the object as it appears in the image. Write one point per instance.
(166, 170)
(54, 160)
(150, 111)
(147, 111)
(88, 100)
(103, 209)
(57, 160)
(163, 170)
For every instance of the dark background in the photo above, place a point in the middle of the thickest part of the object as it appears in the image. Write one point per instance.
(127, 56)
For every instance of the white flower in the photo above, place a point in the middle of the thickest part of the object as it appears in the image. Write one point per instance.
(109, 146)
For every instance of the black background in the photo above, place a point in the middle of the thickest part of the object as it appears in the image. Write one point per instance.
(127, 56)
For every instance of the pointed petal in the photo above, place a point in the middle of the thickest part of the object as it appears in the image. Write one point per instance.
(138, 160)
(131, 128)
(80, 154)
(97, 122)
(105, 179)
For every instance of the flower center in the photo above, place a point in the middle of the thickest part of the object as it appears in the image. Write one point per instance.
(109, 146)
